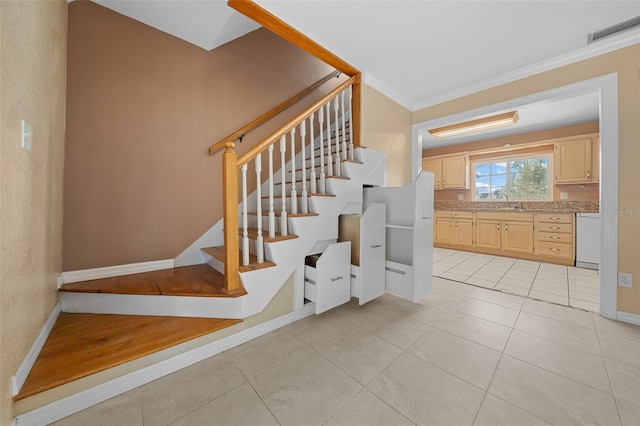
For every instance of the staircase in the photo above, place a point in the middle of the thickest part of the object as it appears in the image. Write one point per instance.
(297, 216)
(229, 274)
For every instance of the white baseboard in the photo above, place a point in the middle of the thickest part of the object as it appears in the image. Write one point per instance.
(24, 369)
(87, 398)
(627, 317)
(116, 271)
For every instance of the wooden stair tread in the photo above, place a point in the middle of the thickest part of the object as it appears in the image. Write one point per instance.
(318, 167)
(326, 177)
(195, 281)
(279, 214)
(219, 254)
(253, 234)
(310, 194)
(83, 344)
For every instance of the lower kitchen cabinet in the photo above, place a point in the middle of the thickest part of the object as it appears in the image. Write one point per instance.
(454, 228)
(547, 237)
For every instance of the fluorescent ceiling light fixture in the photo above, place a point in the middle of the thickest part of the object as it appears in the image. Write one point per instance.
(476, 125)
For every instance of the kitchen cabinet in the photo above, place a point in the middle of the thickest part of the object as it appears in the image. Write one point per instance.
(555, 237)
(434, 165)
(508, 232)
(449, 171)
(454, 228)
(408, 236)
(576, 160)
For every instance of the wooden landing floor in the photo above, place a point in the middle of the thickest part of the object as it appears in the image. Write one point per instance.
(196, 280)
(83, 344)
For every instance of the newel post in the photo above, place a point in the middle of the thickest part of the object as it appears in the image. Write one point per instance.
(356, 110)
(230, 212)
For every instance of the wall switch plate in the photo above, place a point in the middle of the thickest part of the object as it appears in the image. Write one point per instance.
(625, 279)
(564, 195)
(26, 136)
(460, 197)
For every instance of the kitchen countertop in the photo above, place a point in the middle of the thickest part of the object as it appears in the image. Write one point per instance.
(527, 207)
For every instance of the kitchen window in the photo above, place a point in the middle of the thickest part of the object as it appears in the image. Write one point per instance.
(522, 178)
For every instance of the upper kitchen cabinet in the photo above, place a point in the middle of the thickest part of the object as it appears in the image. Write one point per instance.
(449, 171)
(576, 160)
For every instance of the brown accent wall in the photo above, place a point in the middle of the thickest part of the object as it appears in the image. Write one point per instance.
(588, 192)
(33, 49)
(143, 108)
(626, 64)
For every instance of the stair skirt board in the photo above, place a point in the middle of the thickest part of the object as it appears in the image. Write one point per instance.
(82, 400)
(115, 271)
(23, 370)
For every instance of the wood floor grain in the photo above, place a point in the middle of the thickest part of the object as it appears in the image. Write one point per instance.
(83, 344)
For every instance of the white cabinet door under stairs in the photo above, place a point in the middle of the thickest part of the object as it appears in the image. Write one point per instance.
(409, 236)
(368, 247)
(327, 277)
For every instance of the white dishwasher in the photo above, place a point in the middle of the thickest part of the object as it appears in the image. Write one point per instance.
(588, 240)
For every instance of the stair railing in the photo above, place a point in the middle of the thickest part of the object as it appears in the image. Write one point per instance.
(333, 142)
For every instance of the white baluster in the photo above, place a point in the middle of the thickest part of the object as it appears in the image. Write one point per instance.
(323, 189)
(245, 220)
(335, 126)
(352, 155)
(303, 196)
(294, 194)
(283, 172)
(328, 133)
(312, 174)
(344, 127)
(272, 215)
(259, 239)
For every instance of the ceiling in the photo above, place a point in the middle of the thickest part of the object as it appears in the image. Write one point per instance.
(421, 53)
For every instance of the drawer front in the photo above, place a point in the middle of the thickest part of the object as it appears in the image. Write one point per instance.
(555, 249)
(553, 237)
(555, 217)
(454, 214)
(564, 228)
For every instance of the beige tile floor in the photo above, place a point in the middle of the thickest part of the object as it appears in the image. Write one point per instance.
(565, 285)
(464, 355)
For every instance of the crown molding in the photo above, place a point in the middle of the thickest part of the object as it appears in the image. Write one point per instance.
(605, 46)
(381, 87)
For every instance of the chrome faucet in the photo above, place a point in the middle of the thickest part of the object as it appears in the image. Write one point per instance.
(504, 194)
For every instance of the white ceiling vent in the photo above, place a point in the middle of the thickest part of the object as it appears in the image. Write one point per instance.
(614, 29)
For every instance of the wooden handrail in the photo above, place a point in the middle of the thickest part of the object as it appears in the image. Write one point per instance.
(271, 113)
(277, 26)
(258, 148)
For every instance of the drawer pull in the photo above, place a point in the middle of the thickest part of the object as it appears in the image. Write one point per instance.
(376, 246)
(309, 280)
(554, 227)
(397, 271)
(354, 276)
(554, 249)
(554, 218)
(554, 238)
(334, 279)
